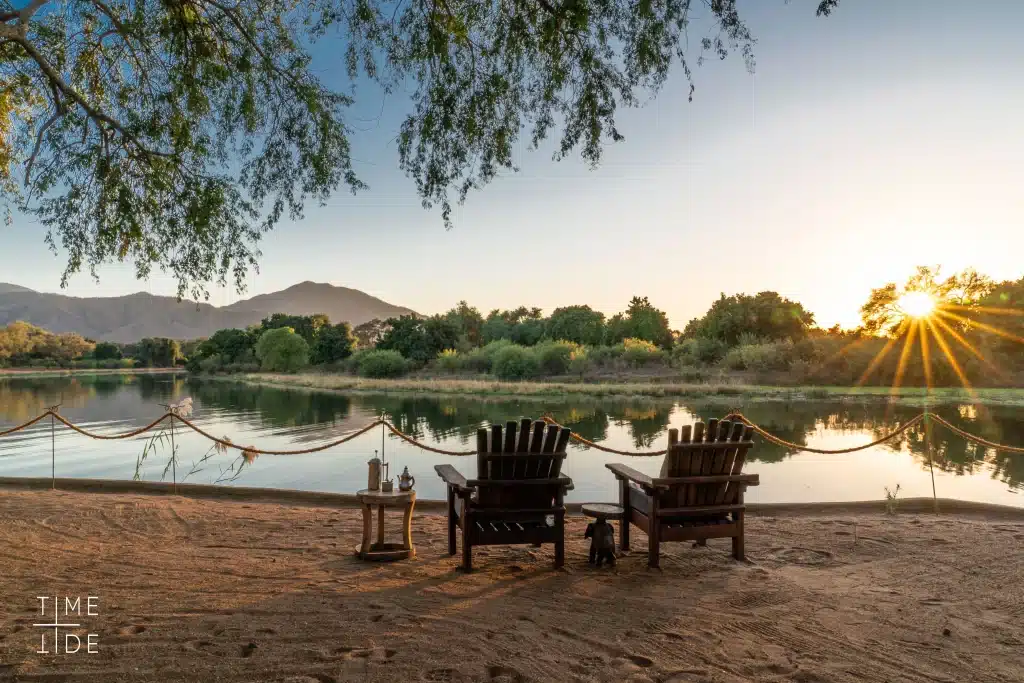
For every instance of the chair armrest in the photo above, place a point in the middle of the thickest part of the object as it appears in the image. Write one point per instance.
(745, 479)
(452, 478)
(623, 472)
(516, 483)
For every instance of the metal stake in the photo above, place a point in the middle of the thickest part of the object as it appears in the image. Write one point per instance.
(174, 459)
(53, 453)
(931, 464)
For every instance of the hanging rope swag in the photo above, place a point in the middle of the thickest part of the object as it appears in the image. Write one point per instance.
(224, 443)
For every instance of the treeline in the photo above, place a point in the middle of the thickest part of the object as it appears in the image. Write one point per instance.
(23, 345)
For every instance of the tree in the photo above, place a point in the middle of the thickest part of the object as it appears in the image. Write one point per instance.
(158, 352)
(467, 321)
(106, 351)
(282, 350)
(579, 324)
(417, 339)
(641, 320)
(955, 298)
(306, 326)
(174, 134)
(333, 343)
(369, 333)
(520, 325)
(766, 316)
(230, 343)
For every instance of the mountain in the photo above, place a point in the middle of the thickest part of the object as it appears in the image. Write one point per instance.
(135, 316)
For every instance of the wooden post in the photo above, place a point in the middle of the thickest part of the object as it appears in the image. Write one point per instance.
(931, 464)
(174, 458)
(53, 454)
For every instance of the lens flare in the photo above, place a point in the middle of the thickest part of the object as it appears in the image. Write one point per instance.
(916, 304)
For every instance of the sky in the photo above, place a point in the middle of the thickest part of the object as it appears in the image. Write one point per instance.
(881, 138)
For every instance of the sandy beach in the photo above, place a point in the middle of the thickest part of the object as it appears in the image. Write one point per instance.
(208, 590)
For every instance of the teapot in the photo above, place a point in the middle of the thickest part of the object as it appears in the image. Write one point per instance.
(405, 480)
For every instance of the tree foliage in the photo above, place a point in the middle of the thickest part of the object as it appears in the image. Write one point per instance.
(766, 316)
(282, 350)
(959, 294)
(174, 134)
(580, 324)
(333, 343)
(21, 343)
(641, 320)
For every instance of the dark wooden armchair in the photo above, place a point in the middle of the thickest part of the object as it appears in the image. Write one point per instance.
(699, 494)
(518, 494)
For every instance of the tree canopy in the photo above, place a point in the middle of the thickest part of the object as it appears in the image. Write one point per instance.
(174, 134)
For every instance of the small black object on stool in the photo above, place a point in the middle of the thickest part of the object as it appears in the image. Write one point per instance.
(601, 532)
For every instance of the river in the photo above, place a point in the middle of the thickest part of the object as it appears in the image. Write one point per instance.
(282, 419)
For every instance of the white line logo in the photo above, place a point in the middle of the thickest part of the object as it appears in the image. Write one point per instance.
(71, 642)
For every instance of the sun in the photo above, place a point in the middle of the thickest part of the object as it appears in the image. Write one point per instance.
(916, 304)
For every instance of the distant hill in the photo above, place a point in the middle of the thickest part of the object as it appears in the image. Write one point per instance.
(135, 316)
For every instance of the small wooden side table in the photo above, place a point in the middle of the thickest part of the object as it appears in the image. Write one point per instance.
(381, 551)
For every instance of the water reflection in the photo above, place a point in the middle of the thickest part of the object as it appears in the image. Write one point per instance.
(640, 424)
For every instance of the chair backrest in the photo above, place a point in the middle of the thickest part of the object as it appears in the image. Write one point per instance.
(699, 450)
(523, 450)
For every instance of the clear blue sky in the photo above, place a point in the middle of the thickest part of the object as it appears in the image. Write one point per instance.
(886, 136)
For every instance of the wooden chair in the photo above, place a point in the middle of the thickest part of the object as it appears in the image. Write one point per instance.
(699, 494)
(517, 493)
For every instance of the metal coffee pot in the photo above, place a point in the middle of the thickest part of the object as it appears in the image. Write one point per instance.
(405, 480)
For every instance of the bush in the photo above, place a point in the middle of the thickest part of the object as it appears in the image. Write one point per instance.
(515, 362)
(448, 360)
(282, 350)
(638, 353)
(380, 363)
(760, 357)
(555, 357)
(699, 351)
(605, 356)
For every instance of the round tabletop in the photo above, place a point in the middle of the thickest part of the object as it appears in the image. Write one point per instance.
(604, 510)
(395, 497)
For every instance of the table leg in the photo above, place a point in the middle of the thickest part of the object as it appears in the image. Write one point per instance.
(380, 525)
(366, 529)
(407, 526)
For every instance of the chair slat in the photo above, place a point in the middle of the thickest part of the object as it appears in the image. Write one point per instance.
(690, 497)
(482, 471)
(523, 445)
(537, 440)
(510, 437)
(563, 439)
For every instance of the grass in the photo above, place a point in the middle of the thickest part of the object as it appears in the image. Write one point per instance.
(705, 391)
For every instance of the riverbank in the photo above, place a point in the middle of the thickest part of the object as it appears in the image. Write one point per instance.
(238, 591)
(62, 372)
(725, 393)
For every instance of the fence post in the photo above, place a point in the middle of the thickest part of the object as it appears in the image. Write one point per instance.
(174, 458)
(931, 463)
(53, 453)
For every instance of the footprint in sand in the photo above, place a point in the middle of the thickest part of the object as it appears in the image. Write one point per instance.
(801, 556)
(444, 676)
(132, 630)
(504, 674)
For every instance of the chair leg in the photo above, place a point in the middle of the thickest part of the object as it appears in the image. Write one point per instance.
(738, 549)
(560, 541)
(467, 554)
(451, 521)
(624, 523)
(654, 549)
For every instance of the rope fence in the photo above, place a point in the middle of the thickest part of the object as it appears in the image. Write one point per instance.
(251, 451)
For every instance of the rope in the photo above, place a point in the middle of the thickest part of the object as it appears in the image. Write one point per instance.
(975, 439)
(405, 437)
(826, 451)
(587, 442)
(257, 451)
(547, 418)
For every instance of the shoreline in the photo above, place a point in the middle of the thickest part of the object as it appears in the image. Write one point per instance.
(298, 497)
(724, 393)
(69, 372)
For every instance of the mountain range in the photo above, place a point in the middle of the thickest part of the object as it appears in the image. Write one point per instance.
(133, 317)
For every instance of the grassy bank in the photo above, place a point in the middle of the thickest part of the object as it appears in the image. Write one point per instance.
(726, 392)
(64, 372)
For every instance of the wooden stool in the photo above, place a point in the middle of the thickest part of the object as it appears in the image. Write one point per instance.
(381, 551)
(602, 511)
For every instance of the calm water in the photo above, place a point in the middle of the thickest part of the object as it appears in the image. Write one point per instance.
(282, 419)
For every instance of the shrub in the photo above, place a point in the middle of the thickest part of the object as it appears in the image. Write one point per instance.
(380, 363)
(448, 360)
(638, 352)
(760, 357)
(605, 356)
(699, 351)
(580, 361)
(555, 357)
(282, 350)
(515, 362)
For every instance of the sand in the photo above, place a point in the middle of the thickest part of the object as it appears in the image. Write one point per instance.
(205, 590)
